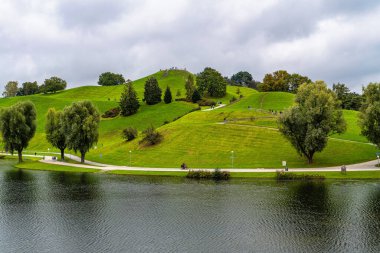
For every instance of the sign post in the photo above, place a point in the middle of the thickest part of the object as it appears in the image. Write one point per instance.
(285, 165)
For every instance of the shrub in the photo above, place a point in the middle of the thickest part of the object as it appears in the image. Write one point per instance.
(151, 136)
(129, 133)
(220, 175)
(282, 176)
(206, 102)
(111, 113)
(217, 174)
(233, 99)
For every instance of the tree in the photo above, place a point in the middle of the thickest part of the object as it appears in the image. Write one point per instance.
(242, 78)
(190, 87)
(369, 116)
(151, 136)
(168, 96)
(152, 92)
(211, 83)
(80, 124)
(10, 89)
(350, 100)
(277, 81)
(196, 96)
(129, 103)
(29, 88)
(296, 80)
(110, 79)
(55, 133)
(53, 84)
(18, 126)
(316, 115)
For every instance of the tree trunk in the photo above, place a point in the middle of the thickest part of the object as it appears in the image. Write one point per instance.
(62, 154)
(82, 157)
(310, 159)
(19, 152)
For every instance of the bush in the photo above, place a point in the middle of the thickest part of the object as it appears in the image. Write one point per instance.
(130, 133)
(111, 113)
(283, 176)
(181, 99)
(206, 102)
(151, 136)
(233, 99)
(216, 175)
(220, 175)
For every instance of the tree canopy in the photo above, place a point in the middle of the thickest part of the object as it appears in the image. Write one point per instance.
(29, 88)
(190, 87)
(152, 92)
(281, 80)
(80, 125)
(211, 83)
(10, 89)
(242, 78)
(55, 133)
(129, 103)
(110, 79)
(350, 100)
(308, 124)
(369, 117)
(53, 84)
(18, 126)
(168, 96)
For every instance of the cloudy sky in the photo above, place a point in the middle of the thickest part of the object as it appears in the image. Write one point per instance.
(331, 40)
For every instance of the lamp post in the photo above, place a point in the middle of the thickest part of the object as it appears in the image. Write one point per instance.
(130, 158)
(378, 160)
(232, 159)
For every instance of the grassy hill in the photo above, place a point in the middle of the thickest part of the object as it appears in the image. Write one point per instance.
(201, 138)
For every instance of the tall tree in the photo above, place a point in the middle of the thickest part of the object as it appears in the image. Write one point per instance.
(350, 100)
(168, 96)
(10, 89)
(55, 133)
(18, 126)
(369, 117)
(316, 115)
(242, 78)
(29, 88)
(152, 92)
(296, 80)
(190, 87)
(196, 96)
(110, 79)
(53, 84)
(80, 124)
(276, 81)
(129, 103)
(211, 83)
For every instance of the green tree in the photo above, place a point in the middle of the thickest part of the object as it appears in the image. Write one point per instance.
(369, 117)
(110, 79)
(168, 96)
(242, 78)
(10, 89)
(308, 124)
(53, 84)
(54, 130)
(80, 124)
(190, 87)
(296, 80)
(196, 96)
(276, 81)
(29, 88)
(18, 126)
(129, 103)
(151, 136)
(350, 100)
(152, 92)
(211, 83)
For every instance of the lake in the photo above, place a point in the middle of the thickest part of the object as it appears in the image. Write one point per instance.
(65, 212)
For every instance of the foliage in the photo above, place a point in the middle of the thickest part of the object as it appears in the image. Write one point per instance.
(284, 176)
(281, 80)
(80, 124)
(168, 96)
(242, 78)
(53, 84)
(350, 100)
(29, 88)
(206, 102)
(190, 87)
(151, 136)
(211, 83)
(152, 92)
(216, 175)
(178, 94)
(111, 113)
(129, 133)
(55, 134)
(129, 103)
(110, 79)
(370, 113)
(10, 89)
(18, 126)
(316, 115)
(196, 96)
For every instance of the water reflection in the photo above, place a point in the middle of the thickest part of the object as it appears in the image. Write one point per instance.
(18, 187)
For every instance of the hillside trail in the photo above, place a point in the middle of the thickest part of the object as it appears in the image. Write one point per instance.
(214, 108)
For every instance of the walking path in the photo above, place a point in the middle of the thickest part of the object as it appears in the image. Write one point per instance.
(214, 108)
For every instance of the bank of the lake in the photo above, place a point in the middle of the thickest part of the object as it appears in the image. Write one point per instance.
(349, 175)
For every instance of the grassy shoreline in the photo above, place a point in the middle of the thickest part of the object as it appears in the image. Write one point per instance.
(335, 175)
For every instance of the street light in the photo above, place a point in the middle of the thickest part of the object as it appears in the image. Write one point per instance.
(130, 158)
(232, 159)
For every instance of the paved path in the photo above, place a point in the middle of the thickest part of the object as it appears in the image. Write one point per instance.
(216, 107)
